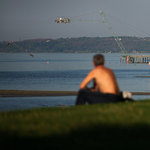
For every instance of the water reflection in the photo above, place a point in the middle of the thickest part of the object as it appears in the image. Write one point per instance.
(14, 103)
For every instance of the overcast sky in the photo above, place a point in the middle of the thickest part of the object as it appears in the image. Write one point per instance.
(30, 19)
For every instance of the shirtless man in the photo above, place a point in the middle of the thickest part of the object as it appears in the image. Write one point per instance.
(105, 85)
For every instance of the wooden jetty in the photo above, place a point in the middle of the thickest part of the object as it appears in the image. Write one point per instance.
(135, 59)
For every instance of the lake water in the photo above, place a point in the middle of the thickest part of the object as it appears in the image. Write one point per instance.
(61, 72)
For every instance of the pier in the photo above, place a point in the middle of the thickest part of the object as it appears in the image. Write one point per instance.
(135, 59)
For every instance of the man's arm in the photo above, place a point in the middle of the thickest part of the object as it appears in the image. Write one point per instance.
(87, 80)
(95, 87)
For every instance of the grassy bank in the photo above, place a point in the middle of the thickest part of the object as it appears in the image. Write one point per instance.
(102, 126)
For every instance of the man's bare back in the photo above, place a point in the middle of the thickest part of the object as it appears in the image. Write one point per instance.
(104, 78)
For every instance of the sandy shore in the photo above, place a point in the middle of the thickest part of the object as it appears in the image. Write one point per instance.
(19, 93)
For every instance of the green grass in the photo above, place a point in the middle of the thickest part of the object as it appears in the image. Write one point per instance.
(103, 126)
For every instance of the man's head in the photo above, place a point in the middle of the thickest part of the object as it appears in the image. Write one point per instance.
(98, 60)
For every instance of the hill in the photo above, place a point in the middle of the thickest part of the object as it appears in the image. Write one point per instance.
(77, 45)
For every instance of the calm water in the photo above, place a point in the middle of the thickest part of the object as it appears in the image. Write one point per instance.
(61, 72)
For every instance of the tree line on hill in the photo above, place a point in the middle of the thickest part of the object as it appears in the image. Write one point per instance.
(77, 45)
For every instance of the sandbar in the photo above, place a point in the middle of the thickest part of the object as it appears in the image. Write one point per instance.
(30, 93)
(143, 76)
(20, 93)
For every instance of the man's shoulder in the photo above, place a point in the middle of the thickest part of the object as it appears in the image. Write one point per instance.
(107, 68)
(101, 69)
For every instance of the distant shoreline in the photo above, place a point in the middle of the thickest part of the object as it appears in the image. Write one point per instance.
(30, 93)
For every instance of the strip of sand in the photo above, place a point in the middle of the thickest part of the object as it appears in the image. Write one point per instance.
(19, 93)
(143, 76)
(23, 93)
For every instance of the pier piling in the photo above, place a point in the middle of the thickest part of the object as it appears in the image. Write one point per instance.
(135, 59)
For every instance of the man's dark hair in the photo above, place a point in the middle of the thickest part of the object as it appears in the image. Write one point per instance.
(98, 59)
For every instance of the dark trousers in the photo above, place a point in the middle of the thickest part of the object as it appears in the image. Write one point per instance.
(96, 97)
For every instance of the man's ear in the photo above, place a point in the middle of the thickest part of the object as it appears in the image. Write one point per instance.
(93, 64)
